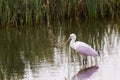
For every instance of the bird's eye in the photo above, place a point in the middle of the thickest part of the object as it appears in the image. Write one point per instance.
(71, 37)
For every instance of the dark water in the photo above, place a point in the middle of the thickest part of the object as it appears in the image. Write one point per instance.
(39, 54)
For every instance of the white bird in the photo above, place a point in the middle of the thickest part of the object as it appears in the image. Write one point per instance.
(81, 47)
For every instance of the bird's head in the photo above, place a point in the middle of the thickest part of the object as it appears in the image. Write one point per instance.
(72, 36)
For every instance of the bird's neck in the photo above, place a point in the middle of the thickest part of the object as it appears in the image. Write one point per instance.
(72, 43)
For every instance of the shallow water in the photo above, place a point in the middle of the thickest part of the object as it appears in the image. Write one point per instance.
(40, 54)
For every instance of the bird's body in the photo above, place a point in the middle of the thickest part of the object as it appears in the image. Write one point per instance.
(82, 47)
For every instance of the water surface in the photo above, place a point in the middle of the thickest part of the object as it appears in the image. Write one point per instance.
(39, 54)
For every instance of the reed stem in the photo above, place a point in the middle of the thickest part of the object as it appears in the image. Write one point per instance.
(37, 11)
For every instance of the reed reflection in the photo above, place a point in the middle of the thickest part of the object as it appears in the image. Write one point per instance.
(41, 52)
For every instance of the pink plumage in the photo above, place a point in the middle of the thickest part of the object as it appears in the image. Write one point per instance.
(85, 49)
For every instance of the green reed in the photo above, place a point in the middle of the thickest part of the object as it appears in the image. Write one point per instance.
(92, 8)
(16, 12)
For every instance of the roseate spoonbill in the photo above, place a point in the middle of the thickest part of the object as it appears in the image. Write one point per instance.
(82, 48)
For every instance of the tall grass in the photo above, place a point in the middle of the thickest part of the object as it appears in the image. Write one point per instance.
(17, 12)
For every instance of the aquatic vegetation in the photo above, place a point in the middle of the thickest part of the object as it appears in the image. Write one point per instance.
(19, 12)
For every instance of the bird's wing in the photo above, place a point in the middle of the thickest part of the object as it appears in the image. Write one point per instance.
(85, 49)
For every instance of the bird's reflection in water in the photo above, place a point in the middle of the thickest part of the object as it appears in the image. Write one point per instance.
(86, 73)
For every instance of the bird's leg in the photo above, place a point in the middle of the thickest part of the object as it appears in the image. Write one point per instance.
(84, 60)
